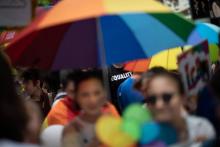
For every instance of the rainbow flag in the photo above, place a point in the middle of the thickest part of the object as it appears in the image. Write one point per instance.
(63, 112)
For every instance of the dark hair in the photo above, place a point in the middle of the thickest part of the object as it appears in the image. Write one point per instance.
(69, 78)
(52, 79)
(158, 71)
(81, 76)
(147, 74)
(31, 75)
(12, 109)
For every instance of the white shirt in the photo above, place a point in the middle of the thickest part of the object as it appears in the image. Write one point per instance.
(87, 132)
(197, 126)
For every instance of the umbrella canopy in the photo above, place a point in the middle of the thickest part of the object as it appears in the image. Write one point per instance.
(86, 33)
(210, 32)
(166, 59)
(7, 36)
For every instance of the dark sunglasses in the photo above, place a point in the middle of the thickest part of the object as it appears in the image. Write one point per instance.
(152, 99)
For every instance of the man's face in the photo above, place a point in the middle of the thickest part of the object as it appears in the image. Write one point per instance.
(29, 86)
(91, 96)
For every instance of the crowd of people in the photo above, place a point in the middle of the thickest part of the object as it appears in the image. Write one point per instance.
(53, 109)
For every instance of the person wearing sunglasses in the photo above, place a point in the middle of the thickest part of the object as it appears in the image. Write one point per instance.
(164, 96)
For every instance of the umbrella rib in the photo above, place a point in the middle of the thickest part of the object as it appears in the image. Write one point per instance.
(102, 52)
(101, 46)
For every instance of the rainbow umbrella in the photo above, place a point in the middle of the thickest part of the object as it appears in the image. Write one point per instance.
(210, 32)
(90, 33)
(166, 59)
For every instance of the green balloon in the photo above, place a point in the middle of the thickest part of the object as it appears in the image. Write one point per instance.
(213, 52)
(133, 129)
(136, 112)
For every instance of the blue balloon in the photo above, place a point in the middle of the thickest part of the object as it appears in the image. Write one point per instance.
(150, 132)
(168, 134)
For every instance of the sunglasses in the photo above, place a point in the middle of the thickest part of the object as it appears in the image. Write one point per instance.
(152, 99)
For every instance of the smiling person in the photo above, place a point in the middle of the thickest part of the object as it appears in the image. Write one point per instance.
(91, 100)
(164, 96)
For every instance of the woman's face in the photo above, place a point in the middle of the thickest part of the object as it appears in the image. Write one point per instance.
(91, 96)
(163, 99)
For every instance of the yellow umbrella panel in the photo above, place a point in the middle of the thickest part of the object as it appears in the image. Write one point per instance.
(166, 59)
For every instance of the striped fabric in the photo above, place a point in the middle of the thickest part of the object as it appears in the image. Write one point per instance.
(63, 112)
